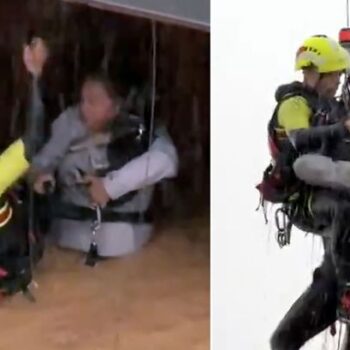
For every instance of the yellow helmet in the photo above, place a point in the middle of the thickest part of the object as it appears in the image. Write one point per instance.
(326, 54)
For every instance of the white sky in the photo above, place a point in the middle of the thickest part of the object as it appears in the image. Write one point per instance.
(253, 281)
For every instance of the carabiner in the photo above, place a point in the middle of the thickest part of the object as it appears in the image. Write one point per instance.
(92, 256)
(280, 227)
(97, 222)
(283, 229)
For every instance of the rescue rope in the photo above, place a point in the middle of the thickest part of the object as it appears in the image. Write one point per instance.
(153, 91)
(93, 256)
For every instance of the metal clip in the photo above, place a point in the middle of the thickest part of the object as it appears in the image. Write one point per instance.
(283, 228)
(97, 222)
(92, 256)
(141, 131)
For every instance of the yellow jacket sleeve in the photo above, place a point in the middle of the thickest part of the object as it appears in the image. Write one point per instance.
(13, 165)
(294, 113)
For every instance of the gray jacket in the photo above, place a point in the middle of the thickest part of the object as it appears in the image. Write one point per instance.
(70, 147)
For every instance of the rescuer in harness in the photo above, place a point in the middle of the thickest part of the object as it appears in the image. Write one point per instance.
(331, 168)
(21, 248)
(309, 119)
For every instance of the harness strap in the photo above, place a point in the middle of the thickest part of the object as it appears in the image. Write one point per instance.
(75, 212)
(92, 256)
(262, 204)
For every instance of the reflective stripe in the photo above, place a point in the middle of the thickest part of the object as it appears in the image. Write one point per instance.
(309, 202)
(5, 214)
(13, 165)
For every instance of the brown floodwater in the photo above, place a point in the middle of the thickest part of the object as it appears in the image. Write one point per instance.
(157, 299)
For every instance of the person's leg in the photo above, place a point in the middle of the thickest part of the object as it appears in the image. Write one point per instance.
(318, 170)
(330, 216)
(331, 213)
(315, 309)
(341, 256)
(312, 312)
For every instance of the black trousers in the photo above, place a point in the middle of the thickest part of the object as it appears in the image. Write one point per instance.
(311, 313)
(315, 309)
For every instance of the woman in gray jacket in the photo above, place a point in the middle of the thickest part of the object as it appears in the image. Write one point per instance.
(104, 173)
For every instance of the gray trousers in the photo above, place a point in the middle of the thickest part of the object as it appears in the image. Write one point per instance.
(113, 239)
(322, 171)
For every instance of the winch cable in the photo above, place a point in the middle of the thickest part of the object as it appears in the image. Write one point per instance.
(151, 126)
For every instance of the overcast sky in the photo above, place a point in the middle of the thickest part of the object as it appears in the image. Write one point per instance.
(253, 281)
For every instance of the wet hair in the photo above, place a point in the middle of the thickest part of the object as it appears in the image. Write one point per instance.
(107, 83)
(47, 30)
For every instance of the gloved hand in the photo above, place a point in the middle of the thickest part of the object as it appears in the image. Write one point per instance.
(35, 56)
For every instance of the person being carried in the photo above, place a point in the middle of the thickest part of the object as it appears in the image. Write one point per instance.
(103, 167)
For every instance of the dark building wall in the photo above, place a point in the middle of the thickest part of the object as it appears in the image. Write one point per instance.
(79, 38)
